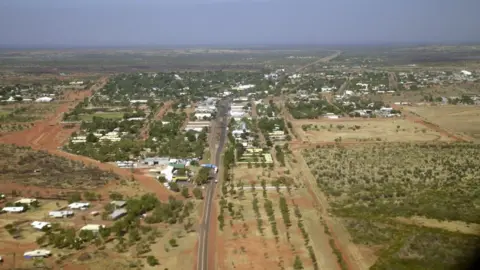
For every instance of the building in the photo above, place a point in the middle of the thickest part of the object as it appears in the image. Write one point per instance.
(44, 99)
(92, 227)
(27, 201)
(118, 203)
(76, 83)
(16, 209)
(40, 225)
(79, 205)
(60, 214)
(151, 161)
(140, 101)
(118, 213)
(466, 73)
(37, 253)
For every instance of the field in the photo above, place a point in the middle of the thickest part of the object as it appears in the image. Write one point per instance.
(268, 219)
(386, 130)
(380, 192)
(109, 115)
(36, 168)
(460, 119)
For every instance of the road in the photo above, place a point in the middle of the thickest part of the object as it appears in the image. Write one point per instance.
(204, 230)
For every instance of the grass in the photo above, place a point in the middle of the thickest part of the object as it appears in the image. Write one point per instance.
(393, 130)
(106, 115)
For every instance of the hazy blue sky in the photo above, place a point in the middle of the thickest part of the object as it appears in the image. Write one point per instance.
(171, 22)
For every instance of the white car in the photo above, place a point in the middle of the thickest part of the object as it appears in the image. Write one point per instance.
(216, 180)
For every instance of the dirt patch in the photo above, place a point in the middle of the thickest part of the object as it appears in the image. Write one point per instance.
(460, 119)
(453, 226)
(385, 130)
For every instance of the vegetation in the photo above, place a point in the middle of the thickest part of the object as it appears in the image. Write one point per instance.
(371, 184)
(39, 168)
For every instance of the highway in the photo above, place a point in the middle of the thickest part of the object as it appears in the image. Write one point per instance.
(202, 261)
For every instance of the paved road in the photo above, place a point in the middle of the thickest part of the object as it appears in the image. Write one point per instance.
(202, 263)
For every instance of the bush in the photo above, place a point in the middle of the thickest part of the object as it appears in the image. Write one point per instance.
(152, 261)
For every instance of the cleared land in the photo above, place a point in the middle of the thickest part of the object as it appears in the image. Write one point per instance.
(387, 130)
(461, 119)
(267, 219)
(380, 191)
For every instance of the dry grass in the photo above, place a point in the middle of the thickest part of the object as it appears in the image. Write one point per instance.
(386, 130)
(28, 167)
(460, 119)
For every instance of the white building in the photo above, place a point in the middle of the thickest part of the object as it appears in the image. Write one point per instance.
(60, 214)
(76, 83)
(37, 253)
(243, 87)
(466, 73)
(142, 101)
(40, 225)
(16, 209)
(79, 205)
(92, 227)
(44, 99)
(26, 201)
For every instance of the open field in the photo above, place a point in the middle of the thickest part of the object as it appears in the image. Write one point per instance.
(455, 118)
(107, 115)
(386, 130)
(393, 197)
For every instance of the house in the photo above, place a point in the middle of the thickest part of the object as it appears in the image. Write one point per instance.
(17, 209)
(44, 99)
(60, 214)
(40, 225)
(27, 201)
(466, 73)
(92, 227)
(118, 203)
(76, 83)
(134, 101)
(79, 205)
(156, 161)
(118, 213)
(37, 253)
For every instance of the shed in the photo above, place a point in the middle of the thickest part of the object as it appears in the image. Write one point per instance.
(60, 214)
(37, 253)
(44, 99)
(26, 201)
(118, 213)
(17, 209)
(79, 205)
(92, 227)
(40, 225)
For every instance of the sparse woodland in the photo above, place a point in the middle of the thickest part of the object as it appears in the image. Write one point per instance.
(368, 186)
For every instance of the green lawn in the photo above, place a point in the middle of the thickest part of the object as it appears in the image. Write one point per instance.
(110, 115)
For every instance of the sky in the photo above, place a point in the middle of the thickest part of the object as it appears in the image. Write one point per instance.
(236, 22)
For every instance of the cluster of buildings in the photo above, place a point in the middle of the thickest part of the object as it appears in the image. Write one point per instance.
(113, 136)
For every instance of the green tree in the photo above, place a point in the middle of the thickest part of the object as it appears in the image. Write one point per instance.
(152, 261)
(298, 265)
(173, 242)
(185, 192)
(174, 186)
(197, 192)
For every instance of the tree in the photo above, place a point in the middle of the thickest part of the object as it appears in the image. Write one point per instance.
(185, 192)
(173, 242)
(297, 265)
(202, 176)
(152, 261)
(198, 193)
(174, 186)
